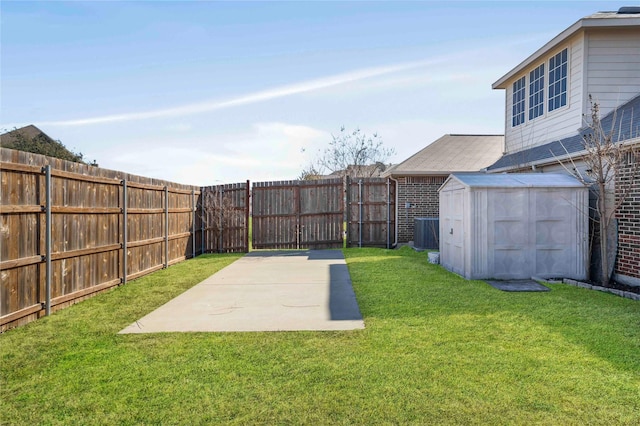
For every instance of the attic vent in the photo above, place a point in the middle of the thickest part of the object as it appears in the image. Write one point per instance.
(629, 10)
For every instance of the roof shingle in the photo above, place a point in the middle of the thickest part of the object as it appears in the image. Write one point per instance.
(619, 122)
(452, 153)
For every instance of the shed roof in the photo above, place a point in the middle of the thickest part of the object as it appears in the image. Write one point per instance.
(516, 180)
(452, 153)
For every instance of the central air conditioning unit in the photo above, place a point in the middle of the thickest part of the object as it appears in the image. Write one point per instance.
(426, 233)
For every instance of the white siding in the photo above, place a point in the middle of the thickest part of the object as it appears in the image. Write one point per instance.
(556, 167)
(555, 124)
(507, 119)
(613, 67)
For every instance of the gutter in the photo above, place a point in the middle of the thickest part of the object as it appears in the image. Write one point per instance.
(418, 173)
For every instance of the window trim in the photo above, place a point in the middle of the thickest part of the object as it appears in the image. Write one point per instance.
(521, 117)
(542, 92)
(565, 78)
(546, 111)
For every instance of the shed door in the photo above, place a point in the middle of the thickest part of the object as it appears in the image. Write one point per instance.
(451, 231)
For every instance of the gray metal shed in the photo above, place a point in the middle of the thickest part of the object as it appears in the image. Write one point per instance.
(514, 226)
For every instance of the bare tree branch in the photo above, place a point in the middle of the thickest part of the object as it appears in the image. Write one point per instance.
(604, 157)
(350, 153)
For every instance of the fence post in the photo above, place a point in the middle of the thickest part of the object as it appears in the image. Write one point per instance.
(360, 213)
(193, 223)
(202, 219)
(47, 171)
(296, 206)
(347, 209)
(125, 231)
(220, 239)
(247, 224)
(388, 213)
(166, 226)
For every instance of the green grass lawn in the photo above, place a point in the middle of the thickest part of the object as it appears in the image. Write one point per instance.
(436, 350)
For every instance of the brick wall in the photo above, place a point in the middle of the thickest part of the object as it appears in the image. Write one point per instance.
(421, 192)
(628, 261)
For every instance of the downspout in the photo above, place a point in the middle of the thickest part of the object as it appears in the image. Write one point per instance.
(395, 243)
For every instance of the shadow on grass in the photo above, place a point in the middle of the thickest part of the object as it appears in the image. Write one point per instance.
(403, 285)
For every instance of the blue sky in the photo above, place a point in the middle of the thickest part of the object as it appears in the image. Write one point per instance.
(209, 92)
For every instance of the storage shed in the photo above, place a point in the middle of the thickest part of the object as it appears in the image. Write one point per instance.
(514, 226)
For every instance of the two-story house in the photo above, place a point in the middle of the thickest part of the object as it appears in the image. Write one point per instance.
(548, 108)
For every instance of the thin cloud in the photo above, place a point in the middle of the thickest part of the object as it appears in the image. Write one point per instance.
(288, 90)
(260, 96)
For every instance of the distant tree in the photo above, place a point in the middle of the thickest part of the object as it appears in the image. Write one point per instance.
(40, 143)
(350, 153)
(310, 173)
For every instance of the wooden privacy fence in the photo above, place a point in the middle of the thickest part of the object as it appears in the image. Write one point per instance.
(69, 230)
(225, 218)
(371, 212)
(312, 214)
(298, 214)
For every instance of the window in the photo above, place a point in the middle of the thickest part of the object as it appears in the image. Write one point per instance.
(518, 102)
(558, 80)
(536, 92)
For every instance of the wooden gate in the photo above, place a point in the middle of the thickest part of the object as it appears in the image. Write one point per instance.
(298, 214)
(224, 210)
(371, 212)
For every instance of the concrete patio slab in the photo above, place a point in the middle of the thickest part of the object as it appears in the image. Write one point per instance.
(264, 291)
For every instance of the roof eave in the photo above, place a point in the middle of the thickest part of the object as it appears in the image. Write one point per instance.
(396, 174)
(573, 29)
(547, 161)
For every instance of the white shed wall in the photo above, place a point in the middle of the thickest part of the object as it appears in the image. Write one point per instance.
(513, 233)
(536, 232)
(507, 234)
